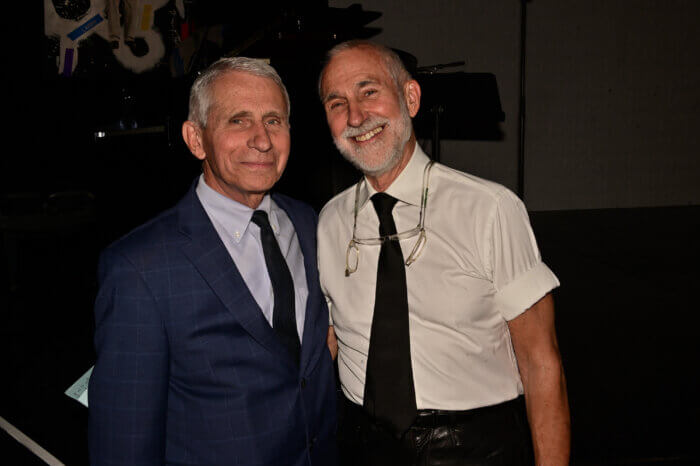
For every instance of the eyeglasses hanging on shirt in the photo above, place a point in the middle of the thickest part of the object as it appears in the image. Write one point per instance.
(352, 255)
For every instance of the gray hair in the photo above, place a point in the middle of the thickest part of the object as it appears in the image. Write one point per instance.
(392, 61)
(200, 93)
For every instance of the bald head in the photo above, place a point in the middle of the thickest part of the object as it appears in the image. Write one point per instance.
(391, 61)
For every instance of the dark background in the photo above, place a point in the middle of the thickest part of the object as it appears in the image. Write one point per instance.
(622, 239)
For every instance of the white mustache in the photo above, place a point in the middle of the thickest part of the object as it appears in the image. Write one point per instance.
(367, 125)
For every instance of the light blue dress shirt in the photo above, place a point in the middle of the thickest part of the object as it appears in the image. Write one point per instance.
(241, 237)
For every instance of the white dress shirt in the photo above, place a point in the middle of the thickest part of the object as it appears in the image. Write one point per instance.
(479, 268)
(241, 237)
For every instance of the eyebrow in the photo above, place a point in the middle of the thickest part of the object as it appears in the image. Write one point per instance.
(331, 96)
(241, 114)
(365, 82)
(273, 113)
(248, 114)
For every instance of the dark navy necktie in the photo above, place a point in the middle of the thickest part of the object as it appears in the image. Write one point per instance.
(389, 392)
(283, 316)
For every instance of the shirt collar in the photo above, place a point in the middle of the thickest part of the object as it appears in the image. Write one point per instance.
(233, 216)
(406, 187)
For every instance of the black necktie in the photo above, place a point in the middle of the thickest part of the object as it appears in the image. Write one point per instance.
(283, 317)
(389, 393)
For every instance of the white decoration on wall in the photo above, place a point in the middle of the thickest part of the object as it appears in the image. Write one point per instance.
(55, 26)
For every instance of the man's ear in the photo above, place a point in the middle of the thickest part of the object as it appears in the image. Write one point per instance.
(192, 134)
(411, 92)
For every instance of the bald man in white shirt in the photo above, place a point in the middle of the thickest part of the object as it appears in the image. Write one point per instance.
(439, 299)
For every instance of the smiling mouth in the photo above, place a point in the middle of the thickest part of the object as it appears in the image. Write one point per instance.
(369, 134)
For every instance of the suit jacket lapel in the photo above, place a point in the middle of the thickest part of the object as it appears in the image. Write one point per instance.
(208, 254)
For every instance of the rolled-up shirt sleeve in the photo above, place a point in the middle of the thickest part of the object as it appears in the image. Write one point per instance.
(520, 278)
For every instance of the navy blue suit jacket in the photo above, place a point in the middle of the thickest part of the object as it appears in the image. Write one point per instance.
(188, 370)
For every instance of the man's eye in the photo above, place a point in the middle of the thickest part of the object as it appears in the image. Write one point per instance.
(335, 105)
(236, 121)
(369, 92)
(274, 122)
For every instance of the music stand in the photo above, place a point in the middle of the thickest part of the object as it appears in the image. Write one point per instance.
(463, 106)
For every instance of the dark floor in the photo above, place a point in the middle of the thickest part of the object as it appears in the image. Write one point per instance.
(626, 320)
(627, 328)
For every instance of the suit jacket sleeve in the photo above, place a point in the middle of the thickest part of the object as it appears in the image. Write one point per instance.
(129, 384)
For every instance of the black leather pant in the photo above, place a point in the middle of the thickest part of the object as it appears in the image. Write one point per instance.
(491, 436)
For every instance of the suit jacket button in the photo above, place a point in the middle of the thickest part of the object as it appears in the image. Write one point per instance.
(303, 383)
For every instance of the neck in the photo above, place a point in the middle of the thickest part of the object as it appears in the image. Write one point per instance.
(382, 182)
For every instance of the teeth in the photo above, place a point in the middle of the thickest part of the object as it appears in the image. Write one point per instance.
(369, 134)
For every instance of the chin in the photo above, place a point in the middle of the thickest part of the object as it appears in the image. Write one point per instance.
(371, 167)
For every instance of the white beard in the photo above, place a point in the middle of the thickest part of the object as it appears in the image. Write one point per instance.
(387, 153)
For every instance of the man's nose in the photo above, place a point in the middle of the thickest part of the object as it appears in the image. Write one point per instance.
(356, 115)
(259, 138)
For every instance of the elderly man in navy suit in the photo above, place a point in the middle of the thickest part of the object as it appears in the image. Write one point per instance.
(210, 324)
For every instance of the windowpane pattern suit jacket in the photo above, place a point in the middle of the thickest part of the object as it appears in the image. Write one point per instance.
(188, 370)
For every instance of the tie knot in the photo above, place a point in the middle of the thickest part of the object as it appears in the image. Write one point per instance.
(260, 219)
(384, 204)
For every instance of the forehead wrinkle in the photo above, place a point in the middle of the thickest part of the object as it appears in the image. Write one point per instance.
(227, 113)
